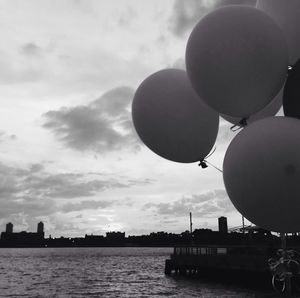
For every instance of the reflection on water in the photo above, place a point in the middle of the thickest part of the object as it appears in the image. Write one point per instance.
(101, 272)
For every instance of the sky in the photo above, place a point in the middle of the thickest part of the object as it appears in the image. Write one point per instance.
(69, 154)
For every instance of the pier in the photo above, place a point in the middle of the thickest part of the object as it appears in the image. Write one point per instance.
(202, 259)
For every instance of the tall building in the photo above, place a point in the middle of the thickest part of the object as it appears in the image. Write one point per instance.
(40, 228)
(9, 227)
(223, 228)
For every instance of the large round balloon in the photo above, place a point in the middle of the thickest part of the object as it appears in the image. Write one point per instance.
(171, 119)
(291, 94)
(270, 110)
(261, 172)
(237, 60)
(287, 14)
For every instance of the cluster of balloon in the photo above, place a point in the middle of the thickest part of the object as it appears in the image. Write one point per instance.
(237, 61)
(170, 118)
(261, 167)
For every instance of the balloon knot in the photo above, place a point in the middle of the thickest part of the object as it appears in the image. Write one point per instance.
(242, 123)
(202, 164)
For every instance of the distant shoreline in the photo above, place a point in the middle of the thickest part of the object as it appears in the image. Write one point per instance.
(107, 246)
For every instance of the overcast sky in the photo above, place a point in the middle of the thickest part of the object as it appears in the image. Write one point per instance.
(69, 155)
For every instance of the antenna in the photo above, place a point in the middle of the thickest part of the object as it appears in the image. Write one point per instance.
(191, 224)
(243, 222)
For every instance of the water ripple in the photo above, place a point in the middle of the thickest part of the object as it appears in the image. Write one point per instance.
(101, 272)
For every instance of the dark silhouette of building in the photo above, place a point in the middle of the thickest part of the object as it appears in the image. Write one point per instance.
(40, 228)
(251, 235)
(94, 240)
(9, 227)
(22, 239)
(115, 235)
(223, 228)
(59, 242)
(115, 238)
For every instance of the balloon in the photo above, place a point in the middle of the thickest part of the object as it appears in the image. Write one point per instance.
(237, 60)
(270, 110)
(287, 14)
(171, 119)
(261, 173)
(291, 93)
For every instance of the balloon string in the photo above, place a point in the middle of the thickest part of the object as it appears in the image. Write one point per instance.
(203, 162)
(212, 152)
(214, 166)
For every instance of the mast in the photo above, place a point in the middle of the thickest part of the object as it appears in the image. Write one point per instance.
(191, 224)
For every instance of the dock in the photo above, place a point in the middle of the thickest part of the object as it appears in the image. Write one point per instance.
(236, 263)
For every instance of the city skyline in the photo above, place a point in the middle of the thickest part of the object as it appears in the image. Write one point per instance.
(69, 154)
(221, 226)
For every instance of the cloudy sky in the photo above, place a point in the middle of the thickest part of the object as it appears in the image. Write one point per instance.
(69, 155)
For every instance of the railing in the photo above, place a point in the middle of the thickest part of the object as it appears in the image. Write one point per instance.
(200, 251)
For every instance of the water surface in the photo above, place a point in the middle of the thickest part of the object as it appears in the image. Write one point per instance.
(102, 272)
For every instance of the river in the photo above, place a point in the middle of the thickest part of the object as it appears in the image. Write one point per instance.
(102, 272)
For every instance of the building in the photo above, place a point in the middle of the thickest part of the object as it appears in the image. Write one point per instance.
(22, 239)
(9, 227)
(40, 228)
(115, 238)
(223, 228)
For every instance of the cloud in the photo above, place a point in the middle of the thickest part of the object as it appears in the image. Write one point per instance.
(225, 134)
(179, 64)
(34, 193)
(187, 13)
(140, 182)
(34, 168)
(19, 184)
(27, 206)
(67, 185)
(66, 66)
(127, 17)
(206, 205)
(102, 126)
(86, 205)
(31, 49)
(23, 64)
(6, 137)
